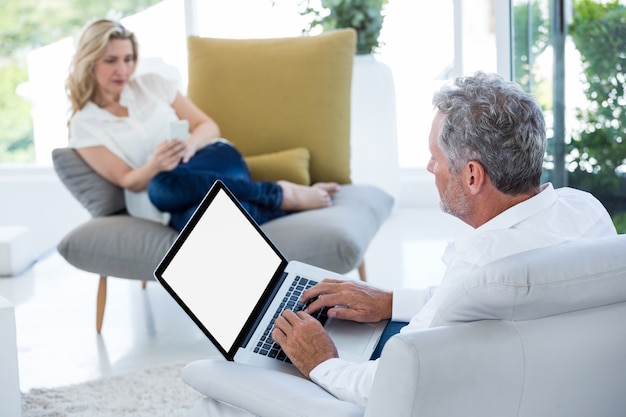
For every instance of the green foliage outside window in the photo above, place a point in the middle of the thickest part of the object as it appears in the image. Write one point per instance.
(26, 25)
(16, 131)
(365, 16)
(599, 32)
(597, 152)
(531, 37)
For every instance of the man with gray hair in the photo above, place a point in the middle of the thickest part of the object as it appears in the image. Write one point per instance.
(487, 144)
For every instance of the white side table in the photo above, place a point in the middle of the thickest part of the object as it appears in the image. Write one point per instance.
(16, 250)
(10, 397)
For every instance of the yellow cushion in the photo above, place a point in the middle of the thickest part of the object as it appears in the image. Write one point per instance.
(291, 165)
(269, 95)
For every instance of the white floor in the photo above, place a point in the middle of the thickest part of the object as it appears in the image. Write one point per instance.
(55, 307)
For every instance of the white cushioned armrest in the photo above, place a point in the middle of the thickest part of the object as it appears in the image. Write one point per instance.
(264, 392)
(442, 371)
(571, 364)
(544, 282)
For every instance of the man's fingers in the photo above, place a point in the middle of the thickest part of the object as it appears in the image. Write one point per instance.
(322, 301)
(323, 287)
(287, 320)
(344, 313)
(279, 332)
(289, 316)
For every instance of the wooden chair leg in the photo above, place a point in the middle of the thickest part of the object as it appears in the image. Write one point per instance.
(100, 302)
(144, 284)
(362, 274)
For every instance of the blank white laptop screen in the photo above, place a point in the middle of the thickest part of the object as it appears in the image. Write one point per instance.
(221, 275)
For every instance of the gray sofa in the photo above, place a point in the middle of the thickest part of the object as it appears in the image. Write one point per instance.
(545, 337)
(114, 244)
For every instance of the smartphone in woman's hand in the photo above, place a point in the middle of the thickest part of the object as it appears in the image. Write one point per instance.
(179, 129)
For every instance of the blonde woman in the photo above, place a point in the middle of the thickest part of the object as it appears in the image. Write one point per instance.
(120, 126)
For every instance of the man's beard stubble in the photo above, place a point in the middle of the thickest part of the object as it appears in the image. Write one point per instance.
(453, 199)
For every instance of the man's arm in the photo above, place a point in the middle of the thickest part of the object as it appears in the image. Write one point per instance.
(347, 381)
(311, 350)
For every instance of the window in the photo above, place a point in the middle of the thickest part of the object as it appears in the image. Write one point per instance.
(36, 41)
(424, 45)
(570, 55)
(419, 43)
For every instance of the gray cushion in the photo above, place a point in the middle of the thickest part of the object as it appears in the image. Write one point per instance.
(336, 237)
(117, 246)
(99, 196)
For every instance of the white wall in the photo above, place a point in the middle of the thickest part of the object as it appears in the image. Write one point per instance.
(160, 49)
(34, 197)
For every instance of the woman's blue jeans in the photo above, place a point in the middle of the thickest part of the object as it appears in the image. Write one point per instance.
(181, 190)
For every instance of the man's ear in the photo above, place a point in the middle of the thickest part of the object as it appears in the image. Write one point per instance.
(474, 176)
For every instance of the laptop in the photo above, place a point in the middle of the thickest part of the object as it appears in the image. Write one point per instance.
(232, 281)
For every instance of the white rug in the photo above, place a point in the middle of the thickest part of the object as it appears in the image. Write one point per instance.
(156, 392)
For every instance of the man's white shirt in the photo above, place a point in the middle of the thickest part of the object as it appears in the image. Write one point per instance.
(549, 218)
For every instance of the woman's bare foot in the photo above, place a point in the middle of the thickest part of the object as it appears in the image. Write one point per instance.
(331, 188)
(301, 197)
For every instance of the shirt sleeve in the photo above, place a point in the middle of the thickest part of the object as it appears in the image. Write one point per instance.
(161, 87)
(85, 130)
(82, 133)
(347, 381)
(407, 302)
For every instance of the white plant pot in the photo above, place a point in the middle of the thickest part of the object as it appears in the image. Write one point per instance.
(374, 147)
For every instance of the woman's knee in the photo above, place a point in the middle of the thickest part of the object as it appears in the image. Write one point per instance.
(160, 192)
(221, 158)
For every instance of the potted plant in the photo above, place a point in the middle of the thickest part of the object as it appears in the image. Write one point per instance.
(365, 16)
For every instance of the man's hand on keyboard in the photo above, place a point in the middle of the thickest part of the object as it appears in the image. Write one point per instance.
(349, 300)
(304, 340)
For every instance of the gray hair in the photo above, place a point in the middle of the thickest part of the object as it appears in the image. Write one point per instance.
(496, 123)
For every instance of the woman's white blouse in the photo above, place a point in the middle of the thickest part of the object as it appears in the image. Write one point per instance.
(134, 139)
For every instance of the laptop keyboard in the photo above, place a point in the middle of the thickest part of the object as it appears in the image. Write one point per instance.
(266, 345)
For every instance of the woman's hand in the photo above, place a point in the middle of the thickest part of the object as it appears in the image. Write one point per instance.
(201, 136)
(203, 130)
(168, 154)
(190, 151)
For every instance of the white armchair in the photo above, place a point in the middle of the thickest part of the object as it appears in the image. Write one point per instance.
(555, 347)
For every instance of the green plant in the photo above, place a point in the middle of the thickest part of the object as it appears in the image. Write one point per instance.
(26, 25)
(599, 34)
(619, 221)
(365, 16)
(531, 34)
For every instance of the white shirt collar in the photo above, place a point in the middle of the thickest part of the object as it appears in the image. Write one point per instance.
(127, 99)
(509, 218)
(521, 211)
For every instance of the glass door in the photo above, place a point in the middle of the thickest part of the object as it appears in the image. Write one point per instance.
(572, 56)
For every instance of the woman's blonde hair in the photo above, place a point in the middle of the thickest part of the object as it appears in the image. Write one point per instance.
(81, 82)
